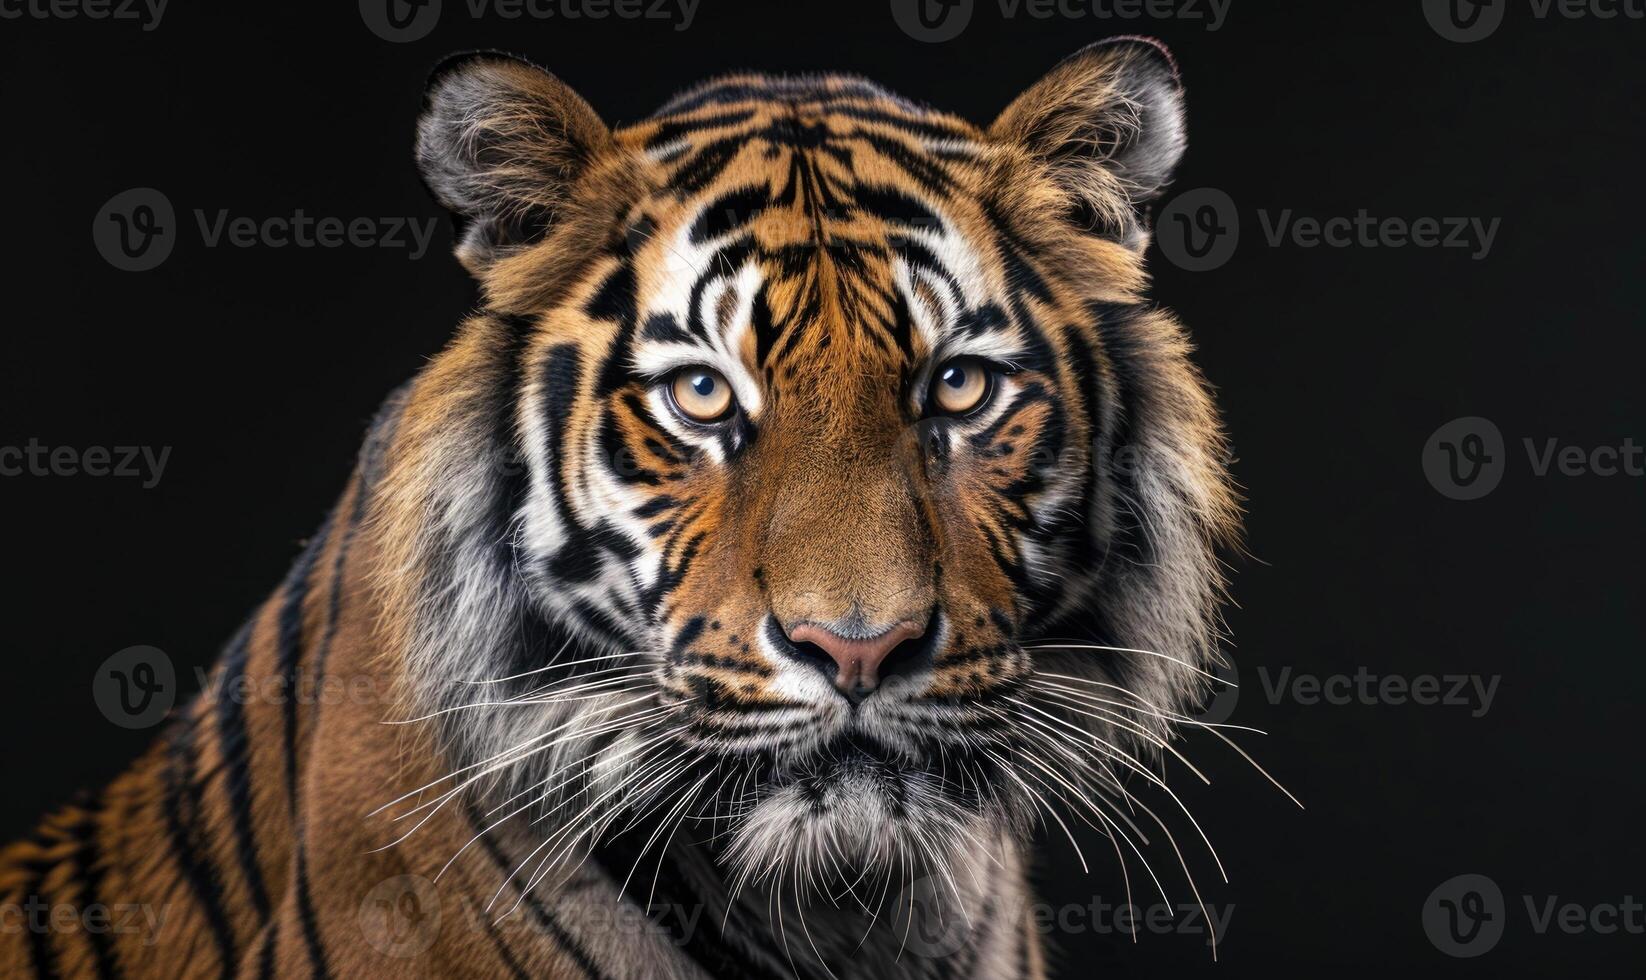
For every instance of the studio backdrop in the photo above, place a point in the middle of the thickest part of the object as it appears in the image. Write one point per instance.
(1171, 511)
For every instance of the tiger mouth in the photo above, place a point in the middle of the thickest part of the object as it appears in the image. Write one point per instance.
(856, 764)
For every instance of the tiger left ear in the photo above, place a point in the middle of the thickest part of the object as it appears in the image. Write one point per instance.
(1108, 123)
(502, 143)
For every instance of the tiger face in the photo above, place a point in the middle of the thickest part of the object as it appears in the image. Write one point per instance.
(834, 411)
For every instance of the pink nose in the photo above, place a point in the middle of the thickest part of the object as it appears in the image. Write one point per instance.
(858, 660)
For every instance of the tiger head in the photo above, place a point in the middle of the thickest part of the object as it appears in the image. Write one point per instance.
(824, 414)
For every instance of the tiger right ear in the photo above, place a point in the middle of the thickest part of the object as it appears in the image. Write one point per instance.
(501, 143)
(1108, 126)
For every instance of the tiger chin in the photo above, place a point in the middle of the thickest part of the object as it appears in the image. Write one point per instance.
(814, 503)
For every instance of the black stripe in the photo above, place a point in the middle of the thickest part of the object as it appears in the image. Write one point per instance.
(729, 212)
(924, 170)
(290, 647)
(689, 632)
(730, 256)
(41, 953)
(305, 916)
(929, 128)
(567, 943)
(87, 858)
(664, 327)
(701, 168)
(560, 377)
(271, 945)
(893, 206)
(235, 748)
(655, 506)
(370, 468)
(502, 947)
(708, 948)
(182, 807)
(670, 131)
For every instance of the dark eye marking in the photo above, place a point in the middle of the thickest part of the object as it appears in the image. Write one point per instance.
(1034, 393)
(664, 328)
(981, 320)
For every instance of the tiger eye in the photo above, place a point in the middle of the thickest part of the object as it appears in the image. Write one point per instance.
(702, 394)
(961, 386)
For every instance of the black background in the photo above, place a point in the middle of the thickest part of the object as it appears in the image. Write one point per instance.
(259, 368)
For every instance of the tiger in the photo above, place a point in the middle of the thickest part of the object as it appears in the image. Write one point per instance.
(814, 507)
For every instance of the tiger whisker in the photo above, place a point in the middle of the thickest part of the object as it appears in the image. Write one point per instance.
(1116, 831)
(1131, 763)
(563, 698)
(447, 796)
(1176, 719)
(558, 666)
(1149, 653)
(1120, 723)
(499, 755)
(1207, 726)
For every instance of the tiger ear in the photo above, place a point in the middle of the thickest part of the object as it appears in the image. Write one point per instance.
(502, 143)
(1108, 124)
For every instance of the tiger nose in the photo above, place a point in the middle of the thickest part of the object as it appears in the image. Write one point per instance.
(860, 662)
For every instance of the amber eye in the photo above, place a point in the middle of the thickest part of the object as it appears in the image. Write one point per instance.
(961, 386)
(701, 394)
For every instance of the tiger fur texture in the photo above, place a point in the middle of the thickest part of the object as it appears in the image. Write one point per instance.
(815, 503)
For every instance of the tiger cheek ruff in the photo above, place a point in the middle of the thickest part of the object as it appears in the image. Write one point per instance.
(815, 503)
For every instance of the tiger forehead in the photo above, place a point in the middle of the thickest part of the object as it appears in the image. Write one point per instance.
(817, 216)
(801, 111)
(797, 156)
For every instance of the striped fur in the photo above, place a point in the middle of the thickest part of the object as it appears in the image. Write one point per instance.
(574, 603)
